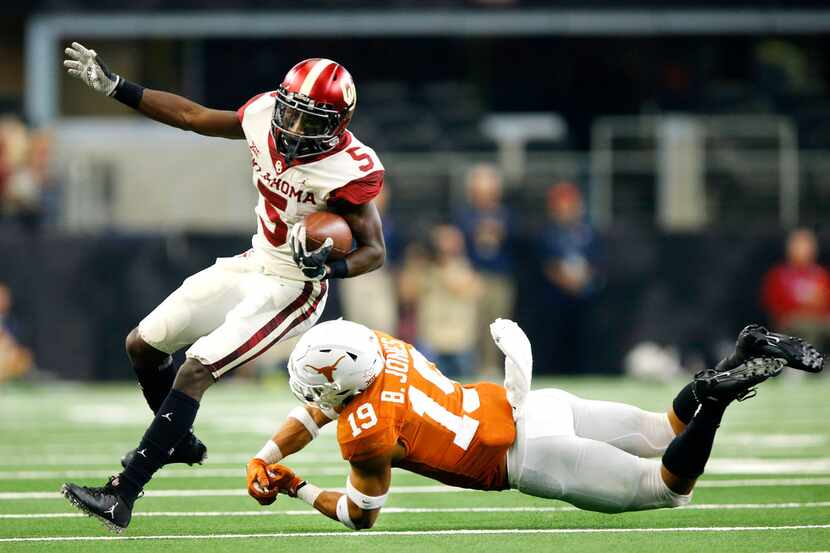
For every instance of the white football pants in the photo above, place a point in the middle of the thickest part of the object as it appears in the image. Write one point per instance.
(592, 454)
(232, 312)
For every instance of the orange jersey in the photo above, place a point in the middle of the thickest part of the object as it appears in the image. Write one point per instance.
(455, 434)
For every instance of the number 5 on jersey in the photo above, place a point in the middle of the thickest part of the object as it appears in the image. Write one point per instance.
(274, 204)
(353, 151)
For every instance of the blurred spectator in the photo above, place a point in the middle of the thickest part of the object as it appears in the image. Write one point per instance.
(445, 291)
(676, 89)
(487, 226)
(783, 70)
(15, 360)
(796, 293)
(413, 268)
(569, 263)
(26, 182)
(381, 313)
(13, 139)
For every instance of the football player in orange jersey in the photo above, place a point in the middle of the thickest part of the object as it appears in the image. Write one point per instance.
(395, 409)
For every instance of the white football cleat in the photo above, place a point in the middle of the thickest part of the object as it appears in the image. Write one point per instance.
(518, 363)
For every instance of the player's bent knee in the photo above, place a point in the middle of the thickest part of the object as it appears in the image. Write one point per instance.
(193, 378)
(667, 499)
(677, 500)
(363, 524)
(140, 352)
(653, 493)
(134, 344)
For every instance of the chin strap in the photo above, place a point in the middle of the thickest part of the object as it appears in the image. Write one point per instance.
(291, 154)
(292, 149)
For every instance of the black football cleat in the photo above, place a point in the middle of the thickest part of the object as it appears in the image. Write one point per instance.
(104, 503)
(190, 451)
(756, 341)
(739, 383)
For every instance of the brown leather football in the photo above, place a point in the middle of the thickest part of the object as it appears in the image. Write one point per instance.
(324, 224)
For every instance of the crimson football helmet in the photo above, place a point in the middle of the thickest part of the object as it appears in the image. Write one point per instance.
(315, 103)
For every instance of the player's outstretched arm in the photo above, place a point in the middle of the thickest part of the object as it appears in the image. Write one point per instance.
(171, 109)
(185, 114)
(367, 489)
(299, 429)
(367, 229)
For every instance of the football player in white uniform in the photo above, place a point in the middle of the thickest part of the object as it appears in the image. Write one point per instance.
(304, 160)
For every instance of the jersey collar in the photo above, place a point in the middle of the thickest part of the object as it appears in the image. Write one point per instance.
(279, 160)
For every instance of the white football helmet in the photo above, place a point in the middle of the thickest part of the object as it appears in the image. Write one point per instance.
(332, 362)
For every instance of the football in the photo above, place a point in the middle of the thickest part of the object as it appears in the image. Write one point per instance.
(325, 224)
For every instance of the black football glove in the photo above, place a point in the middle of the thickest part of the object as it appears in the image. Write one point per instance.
(311, 263)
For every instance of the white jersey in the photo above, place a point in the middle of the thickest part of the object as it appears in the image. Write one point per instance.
(351, 172)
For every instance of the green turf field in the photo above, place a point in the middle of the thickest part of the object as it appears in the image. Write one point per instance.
(768, 487)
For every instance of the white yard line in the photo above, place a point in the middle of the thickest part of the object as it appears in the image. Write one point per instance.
(412, 510)
(111, 459)
(392, 533)
(199, 472)
(786, 505)
(437, 488)
(773, 441)
(768, 466)
(232, 492)
(762, 482)
(723, 466)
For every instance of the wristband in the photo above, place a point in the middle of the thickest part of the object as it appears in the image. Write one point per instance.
(339, 269)
(128, 93)
(308, 492)
(270, 453)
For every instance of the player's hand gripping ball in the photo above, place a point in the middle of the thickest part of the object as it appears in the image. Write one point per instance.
(319, 236)
(259, 484)
(284, 479)
(311, 262)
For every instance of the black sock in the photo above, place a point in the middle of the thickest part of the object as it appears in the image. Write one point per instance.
(687, 454)
(685, 404)
(156, 382)
(171, 424)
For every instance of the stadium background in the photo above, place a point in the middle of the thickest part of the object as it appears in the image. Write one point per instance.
(696, 134)
(697, 141)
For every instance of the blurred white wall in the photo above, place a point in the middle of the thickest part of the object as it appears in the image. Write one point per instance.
(143, 176)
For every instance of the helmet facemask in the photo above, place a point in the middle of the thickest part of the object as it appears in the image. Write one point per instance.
(303, 128)
(328, 397)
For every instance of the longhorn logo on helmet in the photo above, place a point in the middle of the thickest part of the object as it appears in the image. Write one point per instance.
(328, 370)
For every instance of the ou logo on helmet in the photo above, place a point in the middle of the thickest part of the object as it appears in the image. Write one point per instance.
(349, 92)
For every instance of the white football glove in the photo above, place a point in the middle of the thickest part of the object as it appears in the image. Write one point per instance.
(85, 65)
(518, 362)
(311, 263)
